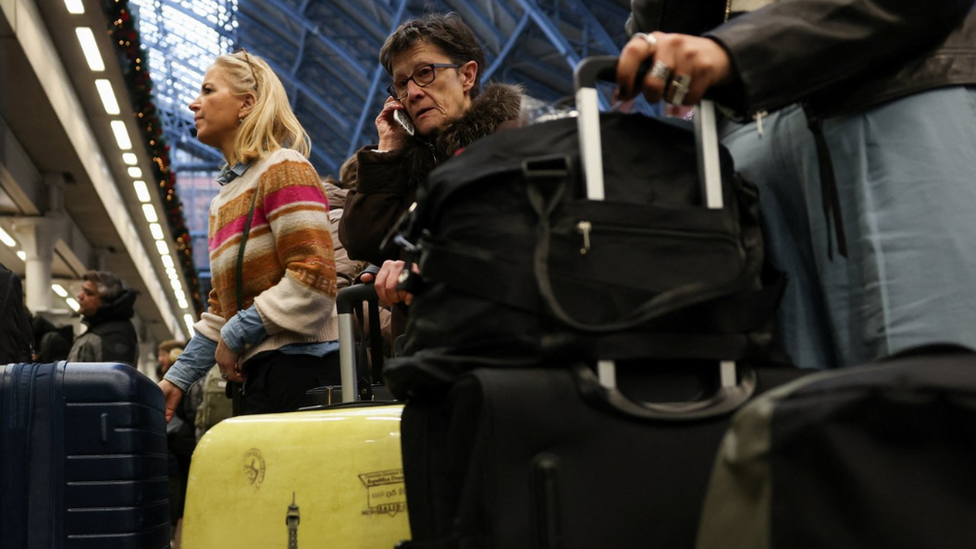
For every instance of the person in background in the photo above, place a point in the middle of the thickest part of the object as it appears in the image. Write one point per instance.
(51, 343)
(15, 323)
(271, 323)
(180, 440)
(106, 307)
(859, 131)
(435, 63)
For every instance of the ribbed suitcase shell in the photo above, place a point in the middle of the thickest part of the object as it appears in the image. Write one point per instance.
(326, 478)
(82, 458)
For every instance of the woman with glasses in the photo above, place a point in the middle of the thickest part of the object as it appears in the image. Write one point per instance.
(271, 324)
(435, 64)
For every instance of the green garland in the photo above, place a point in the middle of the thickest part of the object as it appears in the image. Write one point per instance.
(134, 64)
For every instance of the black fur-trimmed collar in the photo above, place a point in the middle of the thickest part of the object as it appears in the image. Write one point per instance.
(496, 104)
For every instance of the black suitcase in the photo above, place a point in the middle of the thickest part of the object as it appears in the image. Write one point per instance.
(82, 458)
(548, 458)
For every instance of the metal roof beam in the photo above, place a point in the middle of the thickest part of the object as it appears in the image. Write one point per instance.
(596, 28)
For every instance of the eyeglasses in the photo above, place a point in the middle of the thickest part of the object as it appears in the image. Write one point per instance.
(423, 76)
(248, 60)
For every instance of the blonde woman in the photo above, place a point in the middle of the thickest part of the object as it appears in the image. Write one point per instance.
(271, 323)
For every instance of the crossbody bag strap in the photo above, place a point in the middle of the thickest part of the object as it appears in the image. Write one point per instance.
(240, 252)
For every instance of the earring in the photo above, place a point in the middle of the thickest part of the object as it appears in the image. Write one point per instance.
(240, 121)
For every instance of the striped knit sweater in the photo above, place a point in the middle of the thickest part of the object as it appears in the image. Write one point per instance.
(289, 266)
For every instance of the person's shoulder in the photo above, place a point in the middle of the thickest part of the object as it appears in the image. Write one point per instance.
(285, 155)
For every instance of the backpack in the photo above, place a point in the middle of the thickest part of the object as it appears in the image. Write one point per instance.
(215, 406)
(510, 249)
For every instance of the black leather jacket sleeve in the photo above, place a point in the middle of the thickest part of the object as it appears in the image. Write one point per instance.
(794, 49)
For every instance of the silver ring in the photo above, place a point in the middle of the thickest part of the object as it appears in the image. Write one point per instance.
(678, 89)
(660, 70)
(649, 38)
(223, 376)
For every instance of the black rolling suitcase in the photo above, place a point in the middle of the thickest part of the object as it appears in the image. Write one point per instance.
(362, 363)
(82, 458)
(545, 451)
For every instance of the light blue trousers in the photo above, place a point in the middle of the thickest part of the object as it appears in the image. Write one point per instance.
(906, 176)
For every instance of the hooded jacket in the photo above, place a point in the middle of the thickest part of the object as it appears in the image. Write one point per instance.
(111, 337)
(387, 181)
(835, 56)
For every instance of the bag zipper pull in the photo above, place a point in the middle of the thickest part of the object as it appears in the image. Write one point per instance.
(584, 228)
(758, 118)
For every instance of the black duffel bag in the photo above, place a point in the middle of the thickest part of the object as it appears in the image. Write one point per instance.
(519, 268)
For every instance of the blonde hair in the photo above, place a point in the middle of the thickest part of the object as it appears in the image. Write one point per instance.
(271, 124)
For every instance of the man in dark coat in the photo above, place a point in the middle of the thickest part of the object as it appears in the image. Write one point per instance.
(106, 305)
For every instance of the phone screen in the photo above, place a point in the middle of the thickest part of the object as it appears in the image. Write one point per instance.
(403, 119)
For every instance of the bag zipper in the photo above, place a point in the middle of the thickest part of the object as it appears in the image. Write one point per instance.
(585, 228)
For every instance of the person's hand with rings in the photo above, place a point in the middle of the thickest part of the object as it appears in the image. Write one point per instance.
(683, 67)
(229, 362)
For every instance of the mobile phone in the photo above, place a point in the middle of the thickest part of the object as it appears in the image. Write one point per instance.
(403, 119)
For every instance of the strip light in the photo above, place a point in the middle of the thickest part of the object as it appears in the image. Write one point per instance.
(87, 39)
(74, 6)
(105, 91)
(7, 239)
(59, 289)
(73, 304)
(121, 135)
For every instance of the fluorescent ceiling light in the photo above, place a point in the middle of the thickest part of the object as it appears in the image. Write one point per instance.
(168, 262)
(73, 304)
(59, 289)
(182, 303)
(177, 286)
(171, 271)
(162, 247)
(88, 45)
(130, 159)
(121, 135)
(135, 172)
(7, 239)
(108, 96)
(156, 230)
(74, 6)
(173, 275)
(142, 192)
(22, 255)
(188, 320)
(180, 296)
(150, 213)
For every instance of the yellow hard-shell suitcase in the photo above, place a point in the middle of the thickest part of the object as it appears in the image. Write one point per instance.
(327, 478)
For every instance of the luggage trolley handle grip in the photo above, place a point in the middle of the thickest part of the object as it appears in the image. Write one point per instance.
(604, 68)
(346, 300)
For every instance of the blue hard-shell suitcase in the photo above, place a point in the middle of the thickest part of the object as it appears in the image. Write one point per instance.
(82, 458)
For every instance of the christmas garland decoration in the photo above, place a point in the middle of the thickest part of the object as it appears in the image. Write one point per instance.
(134, 64)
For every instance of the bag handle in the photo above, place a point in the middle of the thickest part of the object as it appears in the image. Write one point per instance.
(240, 252)
(727, 399)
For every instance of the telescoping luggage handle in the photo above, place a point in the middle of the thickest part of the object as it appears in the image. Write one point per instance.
(346, 300)
(585, 77)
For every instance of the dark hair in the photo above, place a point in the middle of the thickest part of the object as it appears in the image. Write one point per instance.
(109, 285)
(447, 32)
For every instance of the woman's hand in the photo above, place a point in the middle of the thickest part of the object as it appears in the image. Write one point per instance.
(386, 283)
(172, 394)
(683, 67)
(227, 361)
(392, 136)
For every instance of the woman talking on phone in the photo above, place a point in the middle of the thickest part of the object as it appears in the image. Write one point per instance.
(435, 63)
(271, 322)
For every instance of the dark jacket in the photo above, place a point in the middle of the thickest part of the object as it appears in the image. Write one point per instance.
(836, 56)
(15, 323)
(111, 337)
(387, 182)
